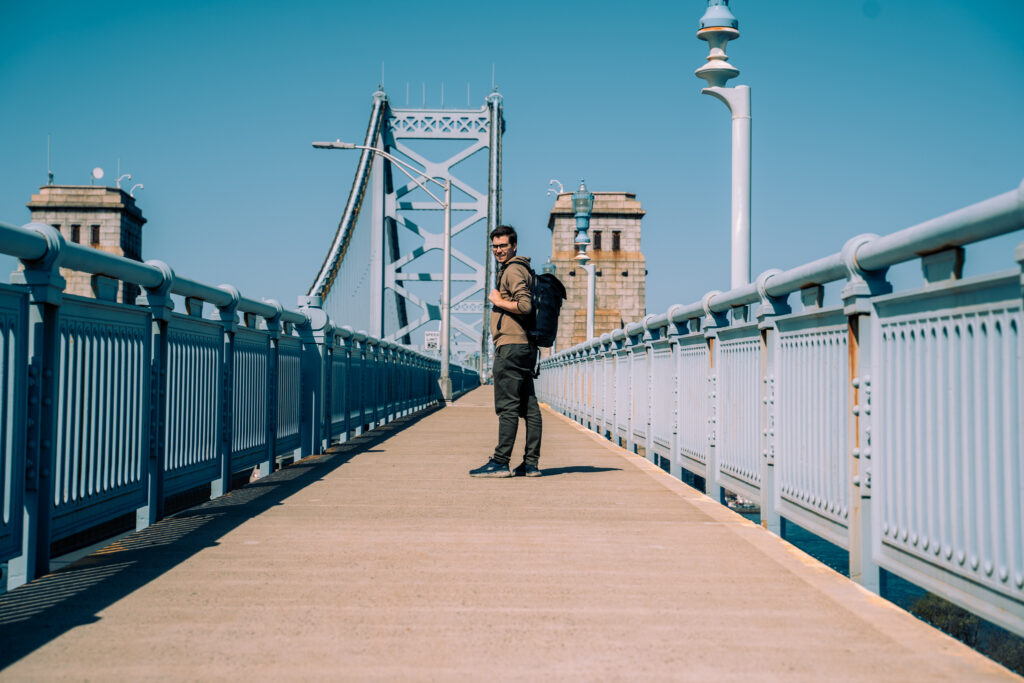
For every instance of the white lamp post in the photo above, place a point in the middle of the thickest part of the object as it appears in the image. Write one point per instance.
(718, 26)
(582, 205)
(446, 278)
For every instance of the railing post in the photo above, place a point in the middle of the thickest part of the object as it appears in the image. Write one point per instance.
(420, 373)
(46, 292)
(712, 322)
(314, 338)
(273, 387)
(435, 374)
(389, 382)
(607, 386)
(579, 384)
(860, 287)
(372, 380)
(361, 392)
(432, 393)
(673, 331)
(572, 369)
(649, 338)
(161, 307)
(229, 321)
(613, 353)
(383, 382)
(390, 412)
(380, 368)
(769, 308)
(405, 380)
(595, 359)
(659, 343)
(343, 355)
(634, 341)
(399, 381)
(327, 391)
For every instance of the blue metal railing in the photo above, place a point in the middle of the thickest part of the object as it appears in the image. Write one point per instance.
(889, 425)
(109, 408)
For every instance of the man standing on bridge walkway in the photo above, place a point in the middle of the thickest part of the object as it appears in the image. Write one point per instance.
(514, 360)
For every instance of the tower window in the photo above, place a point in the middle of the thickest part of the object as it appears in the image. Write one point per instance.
(616, 240)
(76, 233)
(95, 236)
(597, 240)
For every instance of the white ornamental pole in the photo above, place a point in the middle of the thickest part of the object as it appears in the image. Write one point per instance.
(718, 26)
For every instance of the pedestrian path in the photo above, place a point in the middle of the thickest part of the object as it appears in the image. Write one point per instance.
(383, 560)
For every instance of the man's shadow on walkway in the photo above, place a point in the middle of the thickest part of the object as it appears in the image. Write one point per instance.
(40, 611)
(577, 469)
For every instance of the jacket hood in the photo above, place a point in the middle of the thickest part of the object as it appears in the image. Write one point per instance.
(524, 260)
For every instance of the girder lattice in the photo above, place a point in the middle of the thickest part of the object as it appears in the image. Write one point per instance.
(378, 253)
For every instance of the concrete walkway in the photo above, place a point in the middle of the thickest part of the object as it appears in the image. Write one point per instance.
(383, 560)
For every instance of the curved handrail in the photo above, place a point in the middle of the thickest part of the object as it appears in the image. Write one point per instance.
(31, 243)
(992, 217)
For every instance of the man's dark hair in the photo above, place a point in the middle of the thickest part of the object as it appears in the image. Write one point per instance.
(502, 231)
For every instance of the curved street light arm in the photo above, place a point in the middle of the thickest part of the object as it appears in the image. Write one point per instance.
(402, 166)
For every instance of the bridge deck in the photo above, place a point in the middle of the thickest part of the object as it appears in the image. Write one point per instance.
(381, 560)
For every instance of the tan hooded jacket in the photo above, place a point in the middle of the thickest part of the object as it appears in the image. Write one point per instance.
(514, 285)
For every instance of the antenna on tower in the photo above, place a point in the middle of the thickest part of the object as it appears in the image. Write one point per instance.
(49, 171)
(493, 87)
(467, 95)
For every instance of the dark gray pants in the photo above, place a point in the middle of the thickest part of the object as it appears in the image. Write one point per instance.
(514, 397)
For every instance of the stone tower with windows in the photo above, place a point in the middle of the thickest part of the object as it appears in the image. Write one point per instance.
(619, 264)
(104, 218)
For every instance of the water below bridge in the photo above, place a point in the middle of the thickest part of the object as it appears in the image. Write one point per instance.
(382, 559)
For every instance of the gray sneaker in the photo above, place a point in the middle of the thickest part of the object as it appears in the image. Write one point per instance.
(492, 468)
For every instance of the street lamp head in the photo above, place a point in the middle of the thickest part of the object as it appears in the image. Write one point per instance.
(582, 205)
(548, 268)
(337, 144)
(718, 16)
(582, 200)
(718, 26)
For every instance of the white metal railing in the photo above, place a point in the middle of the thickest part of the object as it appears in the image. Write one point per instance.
(889, 425)
(107, 409)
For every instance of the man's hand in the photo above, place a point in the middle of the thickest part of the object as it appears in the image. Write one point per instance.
(501, 303)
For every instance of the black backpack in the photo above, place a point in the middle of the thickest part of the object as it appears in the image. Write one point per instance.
(546, 295)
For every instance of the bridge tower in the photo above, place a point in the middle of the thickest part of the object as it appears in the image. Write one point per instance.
(387, 246)
(105, 218)
(620, 267)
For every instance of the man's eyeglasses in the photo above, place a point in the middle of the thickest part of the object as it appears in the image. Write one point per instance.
(500, 247)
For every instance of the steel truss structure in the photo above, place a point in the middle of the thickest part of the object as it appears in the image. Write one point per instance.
(398, 237)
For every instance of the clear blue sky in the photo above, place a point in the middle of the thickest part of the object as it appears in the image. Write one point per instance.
(867, 117)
